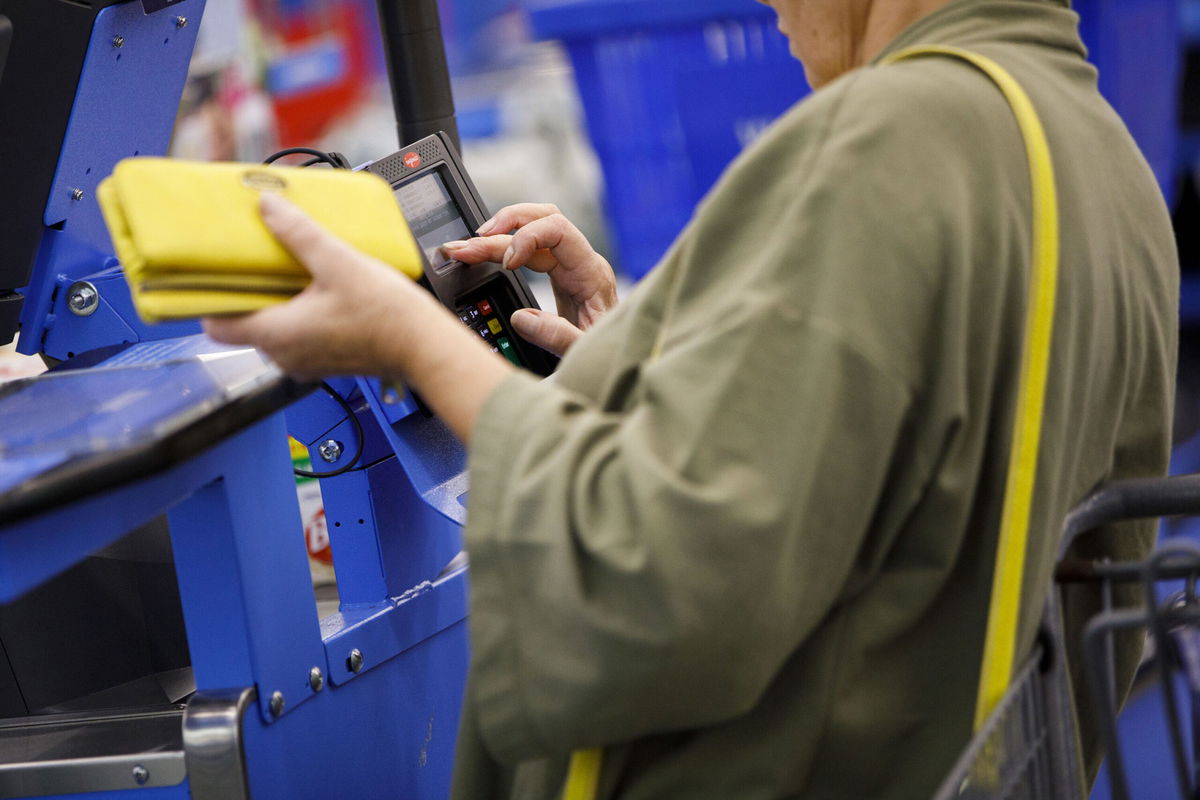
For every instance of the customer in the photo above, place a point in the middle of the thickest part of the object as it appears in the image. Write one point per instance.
(744, 540)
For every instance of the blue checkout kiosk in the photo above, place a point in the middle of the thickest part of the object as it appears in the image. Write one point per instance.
(158, 631)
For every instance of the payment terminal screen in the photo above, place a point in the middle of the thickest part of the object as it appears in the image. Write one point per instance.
(432, 214)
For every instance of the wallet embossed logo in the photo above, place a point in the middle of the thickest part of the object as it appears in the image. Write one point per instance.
(263, 181)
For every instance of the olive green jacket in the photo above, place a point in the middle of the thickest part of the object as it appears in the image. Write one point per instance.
(757, 564)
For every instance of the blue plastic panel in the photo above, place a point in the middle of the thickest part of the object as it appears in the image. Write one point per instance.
(179, 792)
(390, 628)
(390, 733)
(126, 105)
(243, 572)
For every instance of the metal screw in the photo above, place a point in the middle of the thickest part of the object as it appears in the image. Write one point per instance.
(118, 41)
(355, 661)
(330, 450)
(141, 775)
(392, 392)
(277, 704)
(77, 195)
(83, 299)
(181, 22)
(315, 679)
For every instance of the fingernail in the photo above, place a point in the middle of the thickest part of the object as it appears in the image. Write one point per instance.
(508, 254)
(457, 244)
(486, 227)
(526, 321)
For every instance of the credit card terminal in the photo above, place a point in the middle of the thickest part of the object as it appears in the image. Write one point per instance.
(441, 204)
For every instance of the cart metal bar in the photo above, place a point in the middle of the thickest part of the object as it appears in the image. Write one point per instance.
(1141, 498)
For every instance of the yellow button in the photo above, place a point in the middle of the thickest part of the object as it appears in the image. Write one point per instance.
(494, 325)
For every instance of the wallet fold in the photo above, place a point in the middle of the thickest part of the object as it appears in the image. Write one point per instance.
(192, 243)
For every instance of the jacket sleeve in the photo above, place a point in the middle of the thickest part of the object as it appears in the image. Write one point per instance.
(650, 570)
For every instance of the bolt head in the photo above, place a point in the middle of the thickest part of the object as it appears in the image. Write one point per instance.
(181, 22)
(355, 660)
(82, 299)
(118, 41)
(330, 450)
(77, 195)
(315, 679)
(277, 703)
(140, 775)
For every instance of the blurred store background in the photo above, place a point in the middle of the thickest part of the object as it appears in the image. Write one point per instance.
(623, 113)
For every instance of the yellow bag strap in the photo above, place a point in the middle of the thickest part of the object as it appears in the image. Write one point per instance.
(999, 652)
(583, 774)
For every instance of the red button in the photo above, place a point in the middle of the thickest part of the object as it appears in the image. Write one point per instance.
(484, 306)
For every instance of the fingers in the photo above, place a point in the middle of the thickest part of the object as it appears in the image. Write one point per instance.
(479, 249)
(548, 331)
(313, 246)
(556, 234)
(279, 332)
(492, 248)
(240, 329)
(516, 216)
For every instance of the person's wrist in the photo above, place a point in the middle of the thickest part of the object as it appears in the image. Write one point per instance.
(395, 323)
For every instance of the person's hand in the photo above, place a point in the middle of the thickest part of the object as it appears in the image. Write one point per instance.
(336, 325)
(585, 287)
(361, 317)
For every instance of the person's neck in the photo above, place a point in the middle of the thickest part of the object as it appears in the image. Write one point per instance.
(887, 20)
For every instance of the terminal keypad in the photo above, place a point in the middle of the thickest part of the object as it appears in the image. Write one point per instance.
(482, 318)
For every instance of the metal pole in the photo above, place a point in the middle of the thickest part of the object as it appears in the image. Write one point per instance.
(417, 71)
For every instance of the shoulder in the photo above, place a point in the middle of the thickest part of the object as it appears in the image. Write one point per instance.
(933, 112)
(869, 204)
(918, 145)
(915, 156)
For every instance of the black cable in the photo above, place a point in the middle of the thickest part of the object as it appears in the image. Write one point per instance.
(358, 432)
(335, 160)
(375, 463)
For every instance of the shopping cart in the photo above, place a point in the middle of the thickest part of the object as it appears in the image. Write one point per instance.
(1026, 748)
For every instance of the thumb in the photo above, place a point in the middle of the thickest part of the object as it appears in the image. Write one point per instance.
(548, 331)
(313, 246)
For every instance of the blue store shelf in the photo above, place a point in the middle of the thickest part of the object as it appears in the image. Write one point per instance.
(1190, 20)
(584, 19)
(1138, 47)
(1189, 303)
(672, 90)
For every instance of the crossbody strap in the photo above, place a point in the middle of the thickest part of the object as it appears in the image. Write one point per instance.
(1004, 611)
(999, 652)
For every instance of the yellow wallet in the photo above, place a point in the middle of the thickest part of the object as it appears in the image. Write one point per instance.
(192, 243)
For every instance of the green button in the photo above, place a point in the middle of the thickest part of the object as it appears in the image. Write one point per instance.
(508, 350)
